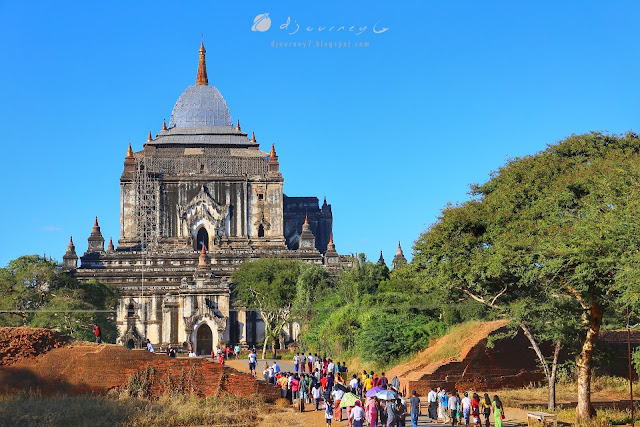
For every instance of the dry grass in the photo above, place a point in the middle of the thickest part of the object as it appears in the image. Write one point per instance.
(95, 411)
(453, 346)
(602, 389)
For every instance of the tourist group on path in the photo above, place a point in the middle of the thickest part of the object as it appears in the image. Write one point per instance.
(369, 399)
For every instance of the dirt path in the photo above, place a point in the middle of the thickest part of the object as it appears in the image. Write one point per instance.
(312, 418)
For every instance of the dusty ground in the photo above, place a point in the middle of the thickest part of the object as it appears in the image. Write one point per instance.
(311, 418)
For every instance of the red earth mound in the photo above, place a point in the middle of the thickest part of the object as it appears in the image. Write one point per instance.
(17, 344)
(83, 367)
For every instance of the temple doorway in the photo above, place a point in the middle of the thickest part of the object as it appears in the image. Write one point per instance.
(204, 340)
(202, 239)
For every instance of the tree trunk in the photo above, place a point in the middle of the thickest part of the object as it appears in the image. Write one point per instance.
(549, 374)
(274, 339)
(593, 319)
(552, 378)
(264, 346)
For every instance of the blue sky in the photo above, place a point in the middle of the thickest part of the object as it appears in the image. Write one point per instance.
(389, 132)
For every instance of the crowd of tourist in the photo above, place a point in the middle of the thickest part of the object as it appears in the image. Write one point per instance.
(369, 399)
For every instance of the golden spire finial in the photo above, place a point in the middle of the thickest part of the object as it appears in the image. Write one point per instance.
(253, 137)
(129, 151)
(164, 124)
(150, 138)
(273, 151)
(71, 241)
(202, 79)
(331, 239)
(204, 251)
(238, 125)
(306, 219)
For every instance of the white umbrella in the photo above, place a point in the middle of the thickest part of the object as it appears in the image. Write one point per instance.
(386, 395)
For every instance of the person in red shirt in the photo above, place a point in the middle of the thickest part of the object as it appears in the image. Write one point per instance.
(228, 350)
(323, 381)
(97, 332)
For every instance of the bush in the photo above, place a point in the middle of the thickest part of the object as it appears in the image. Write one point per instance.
(390, 337)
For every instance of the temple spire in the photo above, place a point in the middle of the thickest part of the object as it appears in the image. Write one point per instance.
(129, 151)
(238, 125)
(149, 138)
(164, 124)
(253, 137)
(202, 79)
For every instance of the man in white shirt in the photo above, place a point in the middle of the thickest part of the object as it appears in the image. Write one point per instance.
(330, 367)
(466, 408)
(432, 398)
(354, 383)
(150, 348)
(357, 414)
(295, 362)
(337, 397)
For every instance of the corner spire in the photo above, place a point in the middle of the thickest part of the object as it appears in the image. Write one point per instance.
(129, 151)
(202, 79)
(164, 124)
(306, 219)
(149, 138)
(253, 137)
(273, 151)
(238, 125)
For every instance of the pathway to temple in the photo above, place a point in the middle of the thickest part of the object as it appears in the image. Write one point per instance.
(312, 418)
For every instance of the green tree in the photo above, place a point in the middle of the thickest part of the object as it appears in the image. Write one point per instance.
(38, 293)
(546, 241)
(270, 286)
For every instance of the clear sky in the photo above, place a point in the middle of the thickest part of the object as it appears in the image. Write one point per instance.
(390, 132)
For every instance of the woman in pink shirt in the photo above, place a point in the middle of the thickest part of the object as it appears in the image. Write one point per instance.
(295, 383)
(371, 411)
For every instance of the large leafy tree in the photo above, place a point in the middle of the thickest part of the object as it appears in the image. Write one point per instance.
(547, 242)
(36, 292)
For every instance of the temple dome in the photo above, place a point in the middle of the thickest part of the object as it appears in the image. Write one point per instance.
(200, 106)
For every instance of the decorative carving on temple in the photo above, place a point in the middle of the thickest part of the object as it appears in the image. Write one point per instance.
(202, 210)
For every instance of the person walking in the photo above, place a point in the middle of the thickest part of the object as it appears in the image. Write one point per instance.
(498, 411)
(357, 415)
(414, 402)
(466, 408)
(401, 412)
(485, 405)
(328, 411)
(475, 410)
(432, 399)
(390, 409)
(372, 411)
(252, 362)
(453, 407)
(444, 406)
(316, 392)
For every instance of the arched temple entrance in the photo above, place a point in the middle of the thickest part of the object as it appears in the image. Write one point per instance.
(204, 340)
(202, 238)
